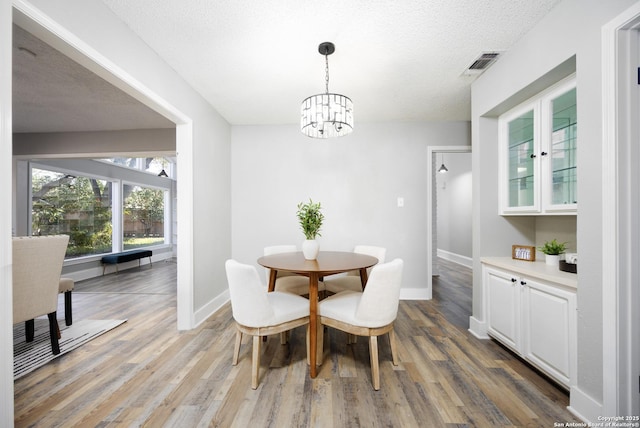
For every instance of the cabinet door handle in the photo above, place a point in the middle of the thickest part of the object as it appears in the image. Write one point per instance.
(513, 280)
(544, 154)
(532, 155)
(523, 282)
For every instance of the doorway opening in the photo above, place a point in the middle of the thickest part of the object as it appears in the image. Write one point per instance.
(58, 37)
(461, 178)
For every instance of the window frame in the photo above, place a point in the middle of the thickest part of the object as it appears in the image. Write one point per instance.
(166, 206)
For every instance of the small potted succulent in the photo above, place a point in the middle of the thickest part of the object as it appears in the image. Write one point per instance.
(311, 218)
(552, 250)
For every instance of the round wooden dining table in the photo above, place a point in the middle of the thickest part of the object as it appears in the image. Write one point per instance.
(327, 263)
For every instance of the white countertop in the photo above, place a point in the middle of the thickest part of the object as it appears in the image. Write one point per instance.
(538, 269)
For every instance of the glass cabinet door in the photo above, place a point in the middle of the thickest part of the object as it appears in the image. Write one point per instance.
(521, 161)
(538, 145)
(563, 149)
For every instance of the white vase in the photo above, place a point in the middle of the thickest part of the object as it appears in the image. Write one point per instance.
(310, 249)
(552, 260)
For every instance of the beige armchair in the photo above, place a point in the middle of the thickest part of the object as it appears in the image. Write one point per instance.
(37, 265)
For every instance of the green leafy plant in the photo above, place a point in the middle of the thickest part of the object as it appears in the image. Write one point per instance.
(310, 218)
(553, 248)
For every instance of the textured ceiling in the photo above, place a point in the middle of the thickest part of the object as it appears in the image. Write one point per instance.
(256, 60)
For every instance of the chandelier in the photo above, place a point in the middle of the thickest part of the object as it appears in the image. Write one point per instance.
(326, 115)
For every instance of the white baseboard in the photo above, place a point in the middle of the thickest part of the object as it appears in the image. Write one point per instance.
(478, 328)
(583, 406)
(210, 308)
(456, 258)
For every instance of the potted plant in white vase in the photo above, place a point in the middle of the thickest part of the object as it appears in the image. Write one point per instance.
(552, 250)
(310, 218)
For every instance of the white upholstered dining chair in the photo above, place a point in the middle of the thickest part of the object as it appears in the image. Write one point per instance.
(371, 312)
(37, 264)
(351, 281)
(286, 281)
(259, 313)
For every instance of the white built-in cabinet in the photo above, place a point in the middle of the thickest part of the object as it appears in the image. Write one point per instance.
(538, 153)
(531, 308)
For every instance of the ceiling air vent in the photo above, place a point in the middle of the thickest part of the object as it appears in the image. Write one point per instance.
(481, 63)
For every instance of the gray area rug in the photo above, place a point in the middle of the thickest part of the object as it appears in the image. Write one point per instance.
(29, 356)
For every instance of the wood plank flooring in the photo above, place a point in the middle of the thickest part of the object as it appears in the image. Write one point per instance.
(146, 373)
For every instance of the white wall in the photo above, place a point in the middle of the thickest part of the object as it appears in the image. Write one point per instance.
(357, 178)
(454, 205)
(561, 228)
(570, 34)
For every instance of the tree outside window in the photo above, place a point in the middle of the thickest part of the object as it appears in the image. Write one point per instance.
(76, 206)
(143, 220)
(82, 207)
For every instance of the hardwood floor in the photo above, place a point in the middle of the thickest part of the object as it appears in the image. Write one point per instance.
(146, 373)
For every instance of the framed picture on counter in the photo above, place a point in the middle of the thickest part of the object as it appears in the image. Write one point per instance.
(523, 252)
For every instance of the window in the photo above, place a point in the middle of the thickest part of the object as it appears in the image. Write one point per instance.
(100, 215)
(143, 216)
(76, 206)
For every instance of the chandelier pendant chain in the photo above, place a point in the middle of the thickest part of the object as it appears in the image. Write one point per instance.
(326, 71)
